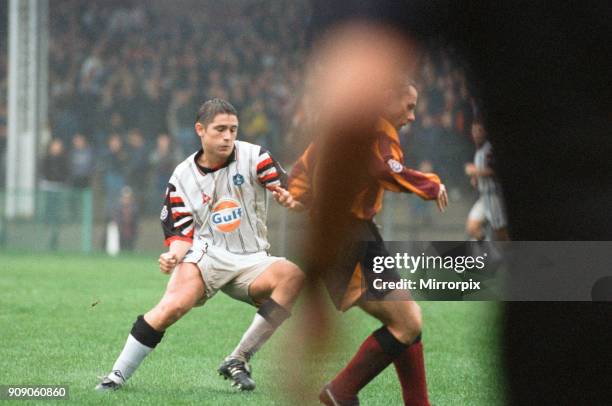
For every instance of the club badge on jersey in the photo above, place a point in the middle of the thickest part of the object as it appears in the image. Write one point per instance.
(226, 215)
(238, 179)
(395, 166)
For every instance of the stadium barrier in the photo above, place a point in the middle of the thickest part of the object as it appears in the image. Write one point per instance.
(77, 220)
(61, 219)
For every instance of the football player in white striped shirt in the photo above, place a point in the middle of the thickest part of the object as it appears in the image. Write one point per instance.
(490, 205)
(214, 221)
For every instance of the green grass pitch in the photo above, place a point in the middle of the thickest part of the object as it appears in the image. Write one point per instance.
(64, 319)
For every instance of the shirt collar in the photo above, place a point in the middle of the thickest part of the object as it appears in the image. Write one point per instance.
(386, 127)
(206, 170)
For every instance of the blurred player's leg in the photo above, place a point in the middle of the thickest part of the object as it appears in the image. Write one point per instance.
(184, 290)
(474, 226)
(275, 290)
(496, 215)
(398, 342)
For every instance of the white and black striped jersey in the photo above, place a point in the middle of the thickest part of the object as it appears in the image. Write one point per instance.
(226, 206)
(483, 159)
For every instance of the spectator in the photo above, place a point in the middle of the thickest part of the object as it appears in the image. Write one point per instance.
(137, 165)
(81, 162)
(113, 164)
(55, 172)
(125, 214)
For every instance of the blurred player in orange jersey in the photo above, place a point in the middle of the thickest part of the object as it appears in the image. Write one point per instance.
(398, 341)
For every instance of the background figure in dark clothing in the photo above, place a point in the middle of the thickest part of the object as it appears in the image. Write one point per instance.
(81, 162)
(125, 214)
(113, 165)
(55, 173)
(137, 165)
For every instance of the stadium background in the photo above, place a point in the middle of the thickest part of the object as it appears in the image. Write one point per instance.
(125, 79)
(128, 77)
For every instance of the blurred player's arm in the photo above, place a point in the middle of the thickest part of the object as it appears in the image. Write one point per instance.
(393, 175)
(472, 170)
(300, 179)
(178, 226)
(487, 172)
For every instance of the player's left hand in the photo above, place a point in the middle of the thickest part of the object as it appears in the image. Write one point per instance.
(284, 198)
(442, 200)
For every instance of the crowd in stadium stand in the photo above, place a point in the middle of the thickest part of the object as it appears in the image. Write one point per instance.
(126, 78)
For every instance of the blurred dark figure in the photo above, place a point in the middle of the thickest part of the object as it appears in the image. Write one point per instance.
(81, 162)
(55, 175)
(113, 166)
(125, 214)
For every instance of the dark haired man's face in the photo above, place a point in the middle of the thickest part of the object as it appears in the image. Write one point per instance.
(479, 134)
(218, 136)
(401, 108)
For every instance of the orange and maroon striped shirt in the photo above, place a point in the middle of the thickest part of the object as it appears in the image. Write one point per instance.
(388, 173)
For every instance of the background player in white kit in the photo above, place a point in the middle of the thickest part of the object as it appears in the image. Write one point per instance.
(214, 222)
(489, 207)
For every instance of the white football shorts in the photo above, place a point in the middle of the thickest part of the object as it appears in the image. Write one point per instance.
(228, 272)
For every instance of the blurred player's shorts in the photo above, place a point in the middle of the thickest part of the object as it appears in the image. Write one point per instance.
(352, 276)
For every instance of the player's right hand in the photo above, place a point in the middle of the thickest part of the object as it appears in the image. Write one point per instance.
(470, 169)
(167, 262)
(442, 200)
(284, 198)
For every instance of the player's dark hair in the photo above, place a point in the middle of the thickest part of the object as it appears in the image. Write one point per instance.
(209, 110)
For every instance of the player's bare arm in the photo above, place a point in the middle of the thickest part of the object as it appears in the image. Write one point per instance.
(169, 260)
(285, 199)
